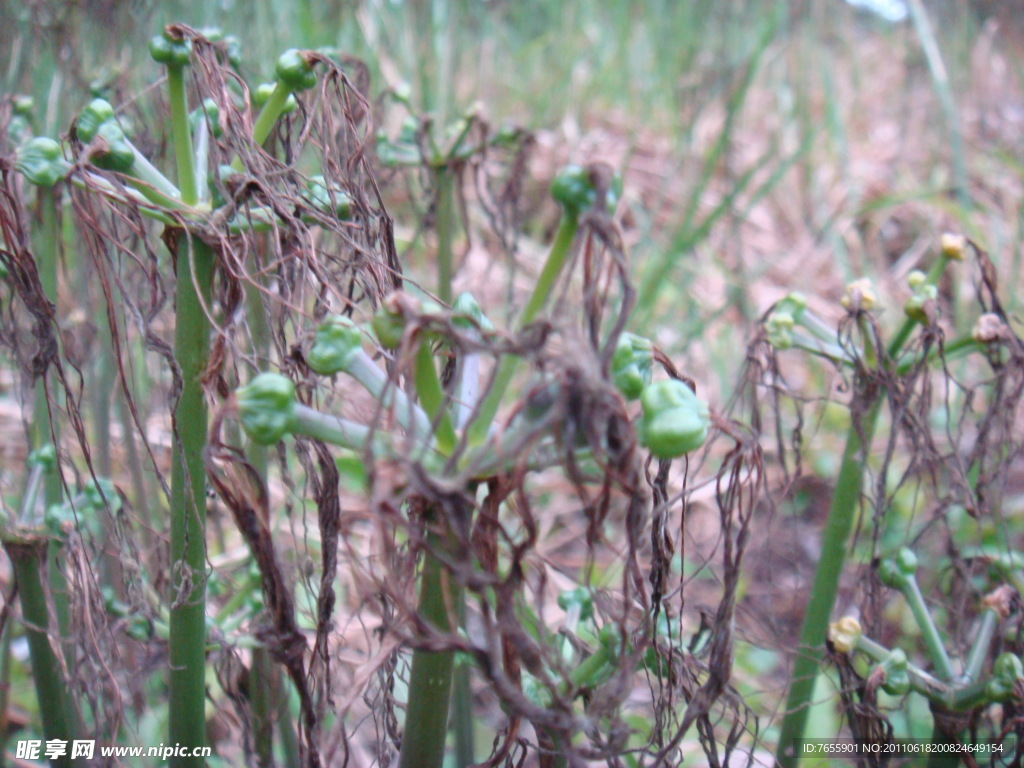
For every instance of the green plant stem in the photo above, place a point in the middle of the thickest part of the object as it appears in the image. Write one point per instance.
(428, 387)
(260, 700)
(920, 681)
(28, 551)
(975, 662)
(409, 416)
(444, 225)
(194, 287)
(272, 110)
(430, 679)
(557, 257)
(929, 632)
(147, 173)
(838, 527)
(46, 249)
(188, 501)
(181, 135)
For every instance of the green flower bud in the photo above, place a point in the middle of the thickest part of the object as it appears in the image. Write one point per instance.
(779, 329)
(319, 196)
(844, 634)
(1006, 671)
(295, 71)
(675, 421)
(794, 303)
(896, 572)
(574, 189)
(96, 113)
(42, 162)
(389, 321)
(23, 105)
(631, 365)
(45, 457)
(170, 51)
(337, 342)
(467, 313)
(118, 154)
(916, 279)
(266, 408)
(917, 306)
(894, 670)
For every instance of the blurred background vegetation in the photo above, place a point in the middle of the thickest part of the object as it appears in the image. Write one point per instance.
(766, 146)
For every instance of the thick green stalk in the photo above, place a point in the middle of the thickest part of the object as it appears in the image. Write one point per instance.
(541, 292)
(838, 527)
(47, 237)
(430, 680)
(444, 225)
(841, 516)
(188, 501)
(28, 553)
(194, 284)
(261, 693)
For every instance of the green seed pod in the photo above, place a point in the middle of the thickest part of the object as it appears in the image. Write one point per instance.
(917, 306)
(1006, 671)
(319, 196)
(894, 668)
(467, 313)
(45, 457)
(779, 329)
(42, 162)
(389, 321)
(610, 638)
(337, 341)
(172, 52)
(675, 421)
(22, 105)
(573, 188)
(844, 634)
(118, 155)
(793, 303)
(896, 572)
(266, 408)
(96, 113)
(631, 365)
(295, 71)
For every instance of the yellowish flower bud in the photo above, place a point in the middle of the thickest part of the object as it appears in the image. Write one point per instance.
(953, 246)
(860, 295)
(844, 634)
